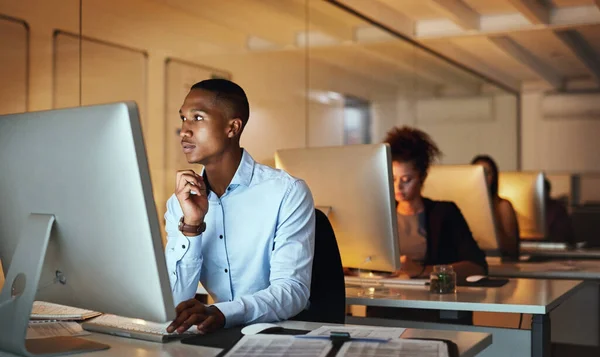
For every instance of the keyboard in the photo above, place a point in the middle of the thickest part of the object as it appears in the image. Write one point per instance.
(134, 328)
(355, 280)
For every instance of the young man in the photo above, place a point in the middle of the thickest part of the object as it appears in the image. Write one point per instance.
(245, 230)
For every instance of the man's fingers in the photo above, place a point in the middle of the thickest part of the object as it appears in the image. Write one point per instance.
(180, 173)
(184, 179)
(185, 305)
(207, 325)
(192, 320)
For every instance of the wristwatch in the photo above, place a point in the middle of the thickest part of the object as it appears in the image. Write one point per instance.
(188, 228)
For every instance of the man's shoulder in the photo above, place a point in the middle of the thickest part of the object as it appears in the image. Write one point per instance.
(267, 174)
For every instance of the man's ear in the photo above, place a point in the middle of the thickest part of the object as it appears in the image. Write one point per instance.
(235, 127)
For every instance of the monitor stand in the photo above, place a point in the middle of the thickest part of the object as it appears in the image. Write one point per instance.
(369, 284)
(19, 291)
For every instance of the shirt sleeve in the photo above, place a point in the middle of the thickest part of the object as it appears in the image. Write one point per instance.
(183, 255)
(291, 265)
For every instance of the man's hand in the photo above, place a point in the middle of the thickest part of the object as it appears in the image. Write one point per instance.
(192, 196)
(193, 312)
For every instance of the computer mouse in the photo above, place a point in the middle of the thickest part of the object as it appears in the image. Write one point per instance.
(475, 278)
(260, 327)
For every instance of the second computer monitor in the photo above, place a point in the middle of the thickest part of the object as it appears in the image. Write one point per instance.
(525, 190)
(465, 185)
(355, 184)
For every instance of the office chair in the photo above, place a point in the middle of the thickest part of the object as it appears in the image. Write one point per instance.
(327, 287)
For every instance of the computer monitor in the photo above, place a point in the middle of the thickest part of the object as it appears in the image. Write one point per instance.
(78, 223)
(525, 190)
(356, 183)
(465, 185)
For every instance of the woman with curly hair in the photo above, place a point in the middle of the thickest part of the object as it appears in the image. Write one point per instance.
(430, 232)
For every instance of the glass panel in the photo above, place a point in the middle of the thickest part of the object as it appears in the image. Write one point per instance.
(405, 85)
(14, 41)
(26, 63)
(188, 41)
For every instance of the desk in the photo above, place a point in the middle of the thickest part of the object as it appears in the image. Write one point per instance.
(562, 254)
(536, 297)
(469, 343)
(578, 269)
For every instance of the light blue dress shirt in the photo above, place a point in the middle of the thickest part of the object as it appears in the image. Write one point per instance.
(255, 257)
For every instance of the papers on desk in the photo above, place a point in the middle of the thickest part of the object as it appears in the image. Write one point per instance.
(43, 329)
(47, 311)
(278, 345)
(360, 331)
(397, 347)
(290, 346)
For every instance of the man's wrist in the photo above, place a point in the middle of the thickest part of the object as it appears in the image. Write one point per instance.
(192, 222)
(191, 229)
(218, 314)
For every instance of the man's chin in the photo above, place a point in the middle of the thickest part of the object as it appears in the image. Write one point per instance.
(193, 159)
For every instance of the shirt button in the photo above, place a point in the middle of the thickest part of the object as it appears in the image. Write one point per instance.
(226, 270)
(221, 236)
(183, 246)
(174, 273)
(228, 188)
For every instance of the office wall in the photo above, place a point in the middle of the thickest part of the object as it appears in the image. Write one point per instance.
(465, 126)
(560, 132)
(13, 66)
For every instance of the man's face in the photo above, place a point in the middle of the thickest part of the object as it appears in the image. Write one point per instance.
(204, 127)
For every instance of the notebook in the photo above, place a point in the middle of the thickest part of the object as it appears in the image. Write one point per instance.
(42, 310)
(135, 328)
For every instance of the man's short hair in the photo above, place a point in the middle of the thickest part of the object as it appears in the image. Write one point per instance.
(230, 95)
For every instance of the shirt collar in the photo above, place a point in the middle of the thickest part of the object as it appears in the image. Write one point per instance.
(243, 175)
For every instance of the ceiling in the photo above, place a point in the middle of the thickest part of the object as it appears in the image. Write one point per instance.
(518, 44)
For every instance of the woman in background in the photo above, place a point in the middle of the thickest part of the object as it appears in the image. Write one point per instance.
(430, 232)
(507, 226)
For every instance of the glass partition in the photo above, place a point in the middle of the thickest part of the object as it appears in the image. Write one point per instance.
(315, 74)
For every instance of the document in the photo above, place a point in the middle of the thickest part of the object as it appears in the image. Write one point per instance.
(360, 331)
(43, 329)
(279, 345)
(47, 311)
(396, 347)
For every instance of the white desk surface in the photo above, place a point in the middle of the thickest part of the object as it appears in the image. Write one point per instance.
(469, 343)
(527, 296)
(564, 269)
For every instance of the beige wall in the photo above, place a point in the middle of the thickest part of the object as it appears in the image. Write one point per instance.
(555, 139)
(465, 126)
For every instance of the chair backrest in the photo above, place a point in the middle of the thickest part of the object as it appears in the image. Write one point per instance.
(327, 288)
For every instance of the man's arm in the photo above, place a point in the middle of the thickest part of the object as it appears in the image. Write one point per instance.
(183, 255)
(291, 265)
(184, 251)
